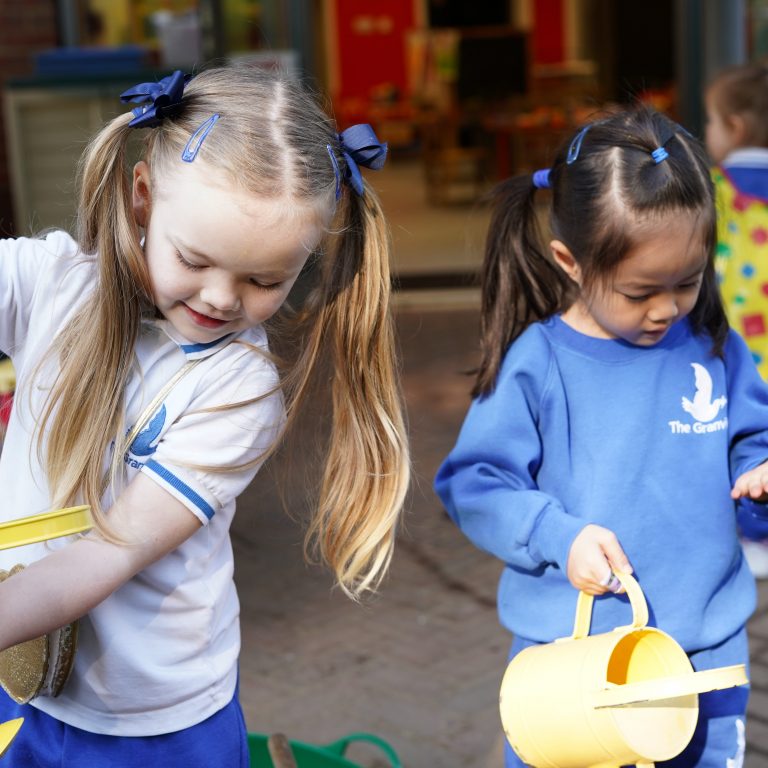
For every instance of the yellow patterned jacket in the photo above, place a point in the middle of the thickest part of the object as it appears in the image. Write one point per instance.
(741, 261)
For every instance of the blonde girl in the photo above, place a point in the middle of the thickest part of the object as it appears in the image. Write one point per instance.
(147, 390)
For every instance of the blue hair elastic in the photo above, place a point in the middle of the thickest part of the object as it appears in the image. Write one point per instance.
(659, 155)
(197, 138)
(575, 148)
(541, 179)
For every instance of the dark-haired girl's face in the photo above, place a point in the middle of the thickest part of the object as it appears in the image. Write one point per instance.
(656, 285)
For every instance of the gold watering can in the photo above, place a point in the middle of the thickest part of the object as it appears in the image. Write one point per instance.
(30, 530)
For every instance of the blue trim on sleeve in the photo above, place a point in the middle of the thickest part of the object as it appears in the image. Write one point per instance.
(183, 488)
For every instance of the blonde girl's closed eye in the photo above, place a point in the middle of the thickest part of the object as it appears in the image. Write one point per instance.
(188, 264)
(253, 280)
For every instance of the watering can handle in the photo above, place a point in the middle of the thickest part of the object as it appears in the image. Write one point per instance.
(662, 688)
(340, 747)
(583, 620)
(48, 525)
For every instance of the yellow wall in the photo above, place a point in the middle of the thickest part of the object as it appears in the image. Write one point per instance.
(126, 21)
(114, 16)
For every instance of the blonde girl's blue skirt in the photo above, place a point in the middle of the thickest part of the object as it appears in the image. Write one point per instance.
(44, 742)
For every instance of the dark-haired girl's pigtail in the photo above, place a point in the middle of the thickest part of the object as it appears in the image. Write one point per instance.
(520, 284)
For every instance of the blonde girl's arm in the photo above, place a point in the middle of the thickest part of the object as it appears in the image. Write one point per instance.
(71, 581)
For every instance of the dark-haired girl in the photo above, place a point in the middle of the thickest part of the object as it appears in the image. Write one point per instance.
(617, 421)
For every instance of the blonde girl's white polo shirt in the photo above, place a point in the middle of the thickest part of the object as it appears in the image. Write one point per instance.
(160, 654)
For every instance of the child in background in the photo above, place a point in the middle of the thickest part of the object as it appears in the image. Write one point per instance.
(154, 324)
(737, 142)
(612, 408)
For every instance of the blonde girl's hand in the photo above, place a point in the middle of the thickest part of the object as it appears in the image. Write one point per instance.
(594, 555)
(752, 485)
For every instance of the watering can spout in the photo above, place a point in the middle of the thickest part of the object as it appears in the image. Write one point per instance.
(8, 731)
(662, 689)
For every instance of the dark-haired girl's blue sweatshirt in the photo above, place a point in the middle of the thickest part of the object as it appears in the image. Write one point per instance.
(645, 441)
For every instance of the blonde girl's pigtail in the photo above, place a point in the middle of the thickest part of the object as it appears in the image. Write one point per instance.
(367, 466)
(520, 284)
(79, 435)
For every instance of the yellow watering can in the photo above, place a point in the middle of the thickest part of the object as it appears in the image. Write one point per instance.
(603, 701)
(30, 530)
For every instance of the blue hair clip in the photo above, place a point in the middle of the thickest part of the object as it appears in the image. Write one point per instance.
(197, 138)
(659, 155)
(575, 148)
(360, 146)
(164, 97)
(541, 179)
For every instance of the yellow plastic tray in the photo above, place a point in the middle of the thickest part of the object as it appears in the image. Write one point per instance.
(49, 525)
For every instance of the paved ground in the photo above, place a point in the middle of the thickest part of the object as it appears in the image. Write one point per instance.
(421, 664)
(417, 665)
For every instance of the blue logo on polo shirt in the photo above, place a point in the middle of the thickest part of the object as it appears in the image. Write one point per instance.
(145, 442)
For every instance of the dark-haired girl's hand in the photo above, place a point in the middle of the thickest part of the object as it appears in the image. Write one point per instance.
(595, 554)
(752, 485)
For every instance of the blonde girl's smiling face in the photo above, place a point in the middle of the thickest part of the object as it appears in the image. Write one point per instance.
(655, 285)
(219, 260)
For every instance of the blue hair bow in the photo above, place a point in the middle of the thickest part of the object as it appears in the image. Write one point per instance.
(165, 98)
(360, 146)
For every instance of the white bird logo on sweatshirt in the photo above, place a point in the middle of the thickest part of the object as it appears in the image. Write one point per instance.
(703, 407)
(741, 747)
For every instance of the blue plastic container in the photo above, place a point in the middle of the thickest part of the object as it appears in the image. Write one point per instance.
(68, 62)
